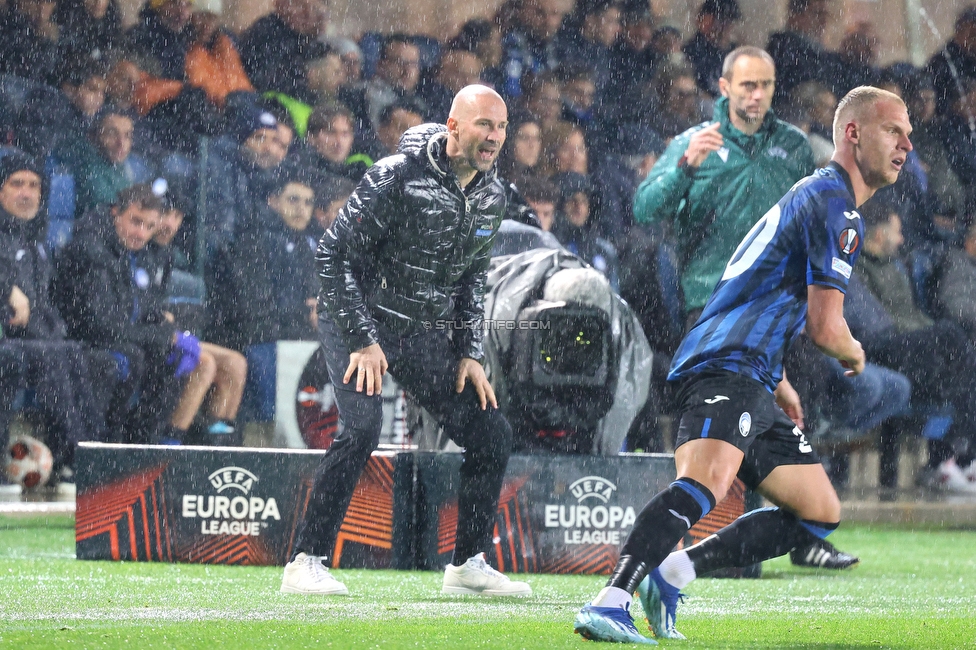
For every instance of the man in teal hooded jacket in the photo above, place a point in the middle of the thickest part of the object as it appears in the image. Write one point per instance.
(717, 179)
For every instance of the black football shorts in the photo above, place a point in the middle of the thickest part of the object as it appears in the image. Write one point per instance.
(742, 412)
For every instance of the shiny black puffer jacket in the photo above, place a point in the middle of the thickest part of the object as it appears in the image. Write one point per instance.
(411, 247)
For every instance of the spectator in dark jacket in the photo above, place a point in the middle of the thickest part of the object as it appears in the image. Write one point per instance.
(91, 28)
(632, 60)
(574, 230)
(268, 291)
(163, 35)
(240, 168)
(104, 291)
(71, 384)
(529, 48)
(49, 118)
(28, 40)
(586, 37)
(265, 288)
(799, 52)
(957, 57)
(707, 49)
(276, 47)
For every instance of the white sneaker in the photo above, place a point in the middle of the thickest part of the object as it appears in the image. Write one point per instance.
(307, 575)
(951, 478)
(475, 577)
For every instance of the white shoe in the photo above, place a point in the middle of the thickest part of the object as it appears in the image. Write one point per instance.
(475, 577)
(307, 575)
(950, 477)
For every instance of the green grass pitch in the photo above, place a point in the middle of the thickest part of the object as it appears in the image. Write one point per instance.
(912, 590)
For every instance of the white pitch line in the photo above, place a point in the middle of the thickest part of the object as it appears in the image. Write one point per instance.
(37, 508)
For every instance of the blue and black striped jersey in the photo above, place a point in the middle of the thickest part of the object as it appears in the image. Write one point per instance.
(812, 236)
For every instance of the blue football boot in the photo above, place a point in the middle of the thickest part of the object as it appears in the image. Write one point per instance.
(660, 602)
(608, 624)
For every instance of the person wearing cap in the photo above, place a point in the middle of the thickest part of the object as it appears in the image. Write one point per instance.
(799, 51)
(712, 42)
(104, 289)
(163, 34)
(239, 170)
(71, 384)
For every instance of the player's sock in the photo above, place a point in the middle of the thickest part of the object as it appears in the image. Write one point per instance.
(678, 570)
(755, 536)
(612, 597)
(659, 526)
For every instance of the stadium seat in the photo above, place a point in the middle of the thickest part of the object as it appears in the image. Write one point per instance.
(258, 404)
(60, 206)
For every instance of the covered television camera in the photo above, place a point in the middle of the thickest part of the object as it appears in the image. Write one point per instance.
(567, 357)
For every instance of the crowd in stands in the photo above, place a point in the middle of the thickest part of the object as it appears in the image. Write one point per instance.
(177, 162)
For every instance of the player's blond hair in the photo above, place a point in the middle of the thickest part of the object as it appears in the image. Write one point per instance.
(853, 104)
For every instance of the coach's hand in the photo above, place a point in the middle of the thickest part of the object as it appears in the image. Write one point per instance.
(369, 365)
(702, 143)
(469, 369)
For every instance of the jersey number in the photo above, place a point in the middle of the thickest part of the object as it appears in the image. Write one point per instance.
(753, 244)
(804, 446)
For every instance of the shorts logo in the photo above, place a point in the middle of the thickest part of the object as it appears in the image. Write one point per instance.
(849, 241)
(716, 399)
(745, 424)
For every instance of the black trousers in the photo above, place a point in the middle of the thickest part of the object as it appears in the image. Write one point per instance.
(143, 401)
(424, 365)
(63, 375)
(12, 368)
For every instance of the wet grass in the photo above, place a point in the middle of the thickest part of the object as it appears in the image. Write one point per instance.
(912, 590)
